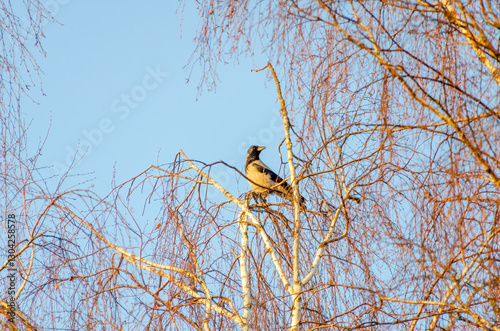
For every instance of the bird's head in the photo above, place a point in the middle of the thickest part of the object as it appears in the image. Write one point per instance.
(253, 152)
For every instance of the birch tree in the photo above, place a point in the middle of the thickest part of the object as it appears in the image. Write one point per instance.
(406, 93)
(390, 117)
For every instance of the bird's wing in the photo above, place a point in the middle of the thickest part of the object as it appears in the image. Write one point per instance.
(260, 174)
(274, 179)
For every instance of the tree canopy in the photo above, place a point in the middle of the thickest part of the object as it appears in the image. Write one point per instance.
(391, 126)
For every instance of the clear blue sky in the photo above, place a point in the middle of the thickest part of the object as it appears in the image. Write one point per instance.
(114, 81)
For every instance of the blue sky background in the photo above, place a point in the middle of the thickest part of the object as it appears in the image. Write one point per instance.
(114, 80)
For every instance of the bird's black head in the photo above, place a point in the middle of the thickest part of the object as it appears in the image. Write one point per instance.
(253, 153)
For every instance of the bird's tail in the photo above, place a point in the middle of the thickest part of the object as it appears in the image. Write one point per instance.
(286, 191)
(289, 196)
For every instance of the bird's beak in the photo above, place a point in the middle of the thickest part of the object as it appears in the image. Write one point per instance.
(261, 148)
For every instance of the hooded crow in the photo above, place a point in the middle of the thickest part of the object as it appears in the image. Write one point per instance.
(263, 180)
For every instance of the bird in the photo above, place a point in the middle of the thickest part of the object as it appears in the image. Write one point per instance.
(263, 180)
